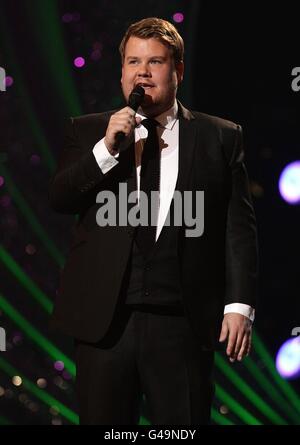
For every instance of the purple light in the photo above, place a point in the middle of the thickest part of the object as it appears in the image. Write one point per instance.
(59, 365)
(5, 201)
(1, 181)
(66, 375)
(67, 18)
(96, 55)
(178, 17)
(17, 339)
(35, 160)
(79, 62)
(288, 359)
(9, 81)
(289, 183)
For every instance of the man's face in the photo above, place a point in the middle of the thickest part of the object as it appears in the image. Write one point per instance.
(149, 63)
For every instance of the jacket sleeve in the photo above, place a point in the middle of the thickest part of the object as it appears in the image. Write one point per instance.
(76, 175)
(241, 234)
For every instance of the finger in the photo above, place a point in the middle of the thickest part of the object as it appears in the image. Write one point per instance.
(244, 347)
(238, 344)
(248, 349)
(130, 111)
(123, 120)
(125, 111)
(123, 114)
(231, 344)
(124, 127)
(249, 345)
(224, 332)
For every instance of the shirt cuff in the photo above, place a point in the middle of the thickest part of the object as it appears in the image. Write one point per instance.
(240, 308)
(104, 159)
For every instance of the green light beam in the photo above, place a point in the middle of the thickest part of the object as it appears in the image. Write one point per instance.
(144, 421)
(46, 24)
(25, 281)
(245, 389)
(236, 408)
(269, 362)
(30, 217)
(220, 419)
(36, 336)
(5, 421)
(270, 389)
(241, 412)
(39, 393)
(26, 103)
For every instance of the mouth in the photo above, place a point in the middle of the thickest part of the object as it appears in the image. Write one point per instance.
(146, 86)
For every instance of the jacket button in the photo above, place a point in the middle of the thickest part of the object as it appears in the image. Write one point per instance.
(147, 293)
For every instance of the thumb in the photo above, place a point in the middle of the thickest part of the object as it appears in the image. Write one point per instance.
(224, 332)
(138, 120)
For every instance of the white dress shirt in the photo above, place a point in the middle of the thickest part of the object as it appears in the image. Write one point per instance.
(168, 133)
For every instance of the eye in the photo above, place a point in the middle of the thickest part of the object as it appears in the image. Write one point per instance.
(132, 62)
(156, 61)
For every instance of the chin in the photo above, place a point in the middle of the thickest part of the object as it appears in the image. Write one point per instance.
(149, 105)
(148, 100)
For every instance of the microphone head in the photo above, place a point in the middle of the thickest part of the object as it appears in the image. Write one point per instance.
(136, 97)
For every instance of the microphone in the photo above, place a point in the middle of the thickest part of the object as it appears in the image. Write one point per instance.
(135, 99)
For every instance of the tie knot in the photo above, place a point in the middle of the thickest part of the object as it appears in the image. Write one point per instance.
(150, 124)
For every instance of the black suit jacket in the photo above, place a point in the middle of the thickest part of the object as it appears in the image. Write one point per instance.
(218, 268)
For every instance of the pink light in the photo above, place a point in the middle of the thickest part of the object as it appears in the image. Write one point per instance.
(1, 181)
(67, 18)
(79, 62)
(59, 365)
(178, 17)
(9, 81)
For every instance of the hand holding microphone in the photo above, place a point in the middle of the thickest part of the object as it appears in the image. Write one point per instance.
(122, 124)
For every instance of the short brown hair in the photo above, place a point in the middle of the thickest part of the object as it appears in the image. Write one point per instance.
(159, 29)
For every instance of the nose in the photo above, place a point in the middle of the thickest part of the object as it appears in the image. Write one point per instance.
(143, 70)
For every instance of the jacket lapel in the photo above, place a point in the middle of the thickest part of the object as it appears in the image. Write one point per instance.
(187, 144)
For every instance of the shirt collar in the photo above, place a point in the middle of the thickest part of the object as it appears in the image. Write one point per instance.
(167, 119)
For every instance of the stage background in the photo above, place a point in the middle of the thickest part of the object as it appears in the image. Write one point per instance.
(239, 62)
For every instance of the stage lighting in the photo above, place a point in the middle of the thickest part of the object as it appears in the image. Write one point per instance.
(79, 62)
(288, 359)
(289, 183)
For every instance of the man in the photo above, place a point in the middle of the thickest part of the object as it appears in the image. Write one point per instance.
(147, 320)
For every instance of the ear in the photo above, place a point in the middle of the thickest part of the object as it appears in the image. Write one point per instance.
(122, 69)
(179, 70)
